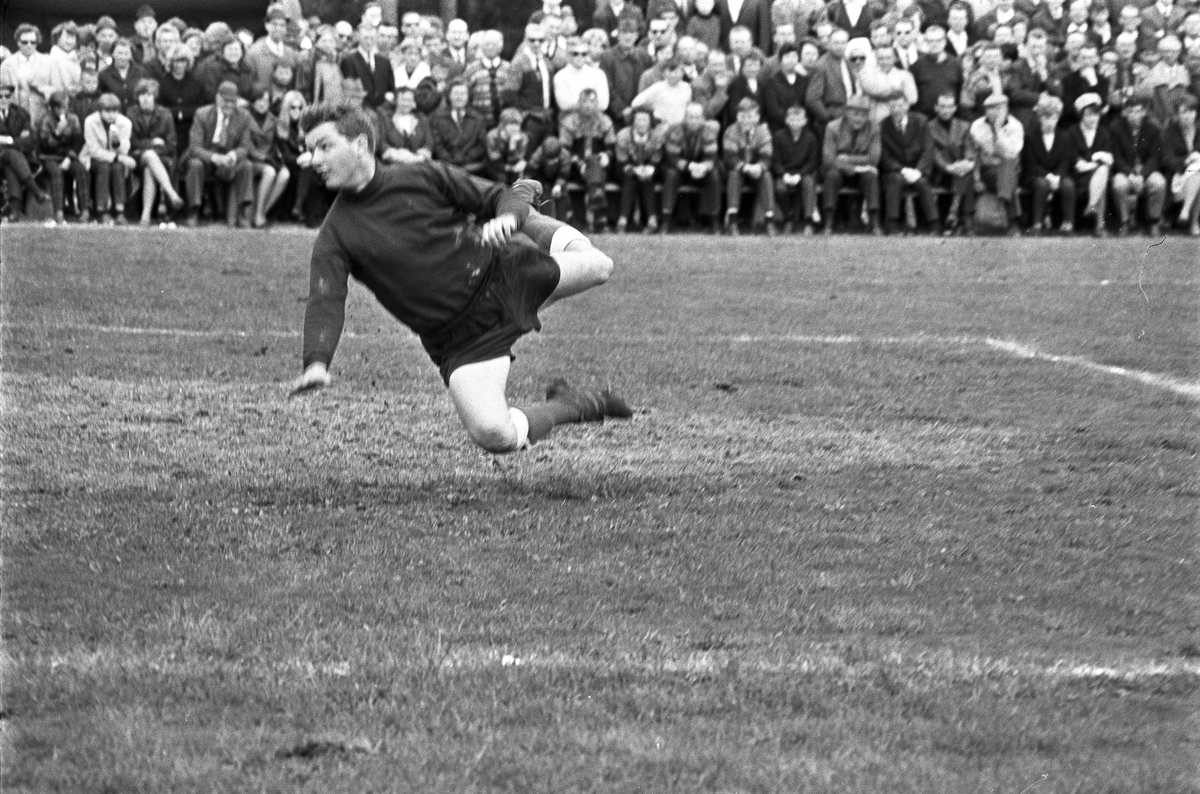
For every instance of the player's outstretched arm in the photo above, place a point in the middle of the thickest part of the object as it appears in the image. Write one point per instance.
(315, 378)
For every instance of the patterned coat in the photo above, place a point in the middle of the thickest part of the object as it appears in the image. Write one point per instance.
(632, 151)
(745, 147)
(682, 146)
(584, 137)
(488, 84)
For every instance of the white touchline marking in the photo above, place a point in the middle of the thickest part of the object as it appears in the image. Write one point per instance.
(1186, 388)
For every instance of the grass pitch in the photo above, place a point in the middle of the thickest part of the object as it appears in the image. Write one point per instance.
(850, 542)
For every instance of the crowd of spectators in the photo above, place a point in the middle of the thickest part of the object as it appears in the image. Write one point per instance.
(785, 116)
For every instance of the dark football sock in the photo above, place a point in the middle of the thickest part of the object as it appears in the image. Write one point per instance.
(544, 416)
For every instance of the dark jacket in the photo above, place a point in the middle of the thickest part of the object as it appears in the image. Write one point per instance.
(377, 78)
(204, 128)
(1037, 161)
(462, 145)
(1135, 154)
(912, 148)
(148, 126)
(791, 155)
(1078, 148)
(111, 82)
(56, 145)
(1176, 148)
(778, 95)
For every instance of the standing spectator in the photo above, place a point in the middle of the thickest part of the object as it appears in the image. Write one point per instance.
(371, 67)
(755, 17)
(690, 157)
(266, 160)
(31, 73)
(611, 14)
(145, 23)
(996, 142)
(153, 146)
(85, 102)
(1167, 79)
(1051, 18)
(935, 73)
(1091, 151)
(712, 89)
(1126, 73)
(550, 165)
(908, 52)
(1162, 18)
(59, 141)
(906, 163)
(181, 94)
(326, 77)
(787, 87)
(578, 76)
(506, 148)
(747, 147)
(745, 85)
(1137, 145)
(851, 156)
(832, 83)
(66, 60)
(409, 68)
(408, 137)
(953, 166)
(1047, 167)
(639, 151)
(107, 138)
(1085, 79)
(985, 81)
(795, 160)
(855, 16)
(455, 56)
(704, 24)
(165, 39)
(106, 35)
(883, 81)
(589, 136)
(487, 76)
(958, 35)
(17, 145)
(271, 50)
(531, 91)
(459, 133)
(220, 141)
(123, 76)
(226, 65)
(623, 65)
(668, 98)
(1181, 161)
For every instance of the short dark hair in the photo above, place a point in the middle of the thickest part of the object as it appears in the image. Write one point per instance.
(787, 49)
(349, 121)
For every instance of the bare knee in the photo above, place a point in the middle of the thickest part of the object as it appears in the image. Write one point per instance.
(494, 436)
(599, 264)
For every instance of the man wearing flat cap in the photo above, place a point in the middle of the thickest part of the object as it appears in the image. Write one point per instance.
(142, 41)
(220, 140)
(996, 140)
(851, 157)
(623, 64)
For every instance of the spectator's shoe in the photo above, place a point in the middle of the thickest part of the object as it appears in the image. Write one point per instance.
(1013, 230)
(193, 220)
(119, 217)
(1194, 229)
(1067, 227)
(935, 229)
(789, 227)
(39, 195)
(651, 226)
(622, 225)
(771, 230)
(808, 230)
(665, 228)
(1157, 229)
(106, 220)
(144, 223)
(592, 406)
(1123, 229)
(1100, 231)
(828, 230)
(1036, 229)
(297, 214)
(875, 230)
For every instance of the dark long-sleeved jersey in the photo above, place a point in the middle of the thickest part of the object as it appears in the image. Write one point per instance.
(406, 237)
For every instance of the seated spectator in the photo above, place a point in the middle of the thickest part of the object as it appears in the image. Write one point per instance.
(690, 157)
(1090, 147)
(576, 77)
(611, 14)
(590, 137)
(219, 147)
(154, 147)
(85, 103)
(906, 164)
(639, 151)
(459, 133)
(747, 147)
(986, 80)
(31, 73)
(180, 93)
(291, 151)
(323, 68)
(107, 138)
(487, 76)
(996, 140)
(669, 97)
(1137, 145)
(1047, 166)
(59, 141)
(506, 147)
(850, 156)
(1051, 17)
(550, 165)
(953, 165)
(227, 66)
(122, 77)
(408, 138)
(531, 91)
(711, 90)
(17, 146)
(266, 160)
(795, 162)
(1162, 18)
(1167, 80)
(1181, 162)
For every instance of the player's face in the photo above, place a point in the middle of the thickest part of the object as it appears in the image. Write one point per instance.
(337, 160)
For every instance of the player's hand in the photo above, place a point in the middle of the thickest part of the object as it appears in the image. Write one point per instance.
(315, 378)
(498, 231)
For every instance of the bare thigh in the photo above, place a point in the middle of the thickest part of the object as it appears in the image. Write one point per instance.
(478, 393)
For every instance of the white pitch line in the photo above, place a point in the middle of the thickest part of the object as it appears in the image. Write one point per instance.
(1190, 389)
(1186, 388)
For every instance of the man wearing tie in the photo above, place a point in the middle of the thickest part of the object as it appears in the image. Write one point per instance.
(371, 67)
(531, 89)
(457, 34)
(906, 161)
(752, 14)
(220, 139)
(16, 144)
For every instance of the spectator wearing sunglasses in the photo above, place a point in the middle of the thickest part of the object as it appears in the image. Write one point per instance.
(576, 77)
(29, 72)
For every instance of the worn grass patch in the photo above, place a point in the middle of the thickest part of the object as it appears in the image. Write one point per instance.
(843, 546)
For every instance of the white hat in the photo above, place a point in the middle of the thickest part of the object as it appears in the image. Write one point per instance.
(1088, 100)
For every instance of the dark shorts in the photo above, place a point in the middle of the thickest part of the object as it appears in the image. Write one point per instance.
(504, 310)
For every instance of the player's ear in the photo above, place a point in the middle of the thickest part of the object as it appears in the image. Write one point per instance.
(363, 143)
